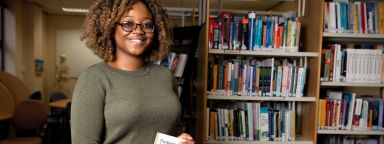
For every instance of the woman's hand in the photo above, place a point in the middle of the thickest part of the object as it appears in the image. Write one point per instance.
(187, 138)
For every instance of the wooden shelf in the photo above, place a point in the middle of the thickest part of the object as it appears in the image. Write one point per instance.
(346, 132)
(299, 140)
(263, 53)
(258, 142)
(259, 98)
(353, 37)
(351, 84)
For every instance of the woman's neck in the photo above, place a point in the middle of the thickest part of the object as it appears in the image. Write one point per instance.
(127, 64)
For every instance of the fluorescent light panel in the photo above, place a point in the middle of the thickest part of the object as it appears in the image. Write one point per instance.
(75, 10)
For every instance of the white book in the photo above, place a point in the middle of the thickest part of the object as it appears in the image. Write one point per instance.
(244, 129)
(348, 74)
(355, 65)
(250, 121)
(338, 18)
(181, 65)
(226, 124)
(251, 17)
(300, 82)
(364, 116)
(166, 139)
(338, 63)
(350, 112)
(278, 80)
(332, 18)
(378, 65)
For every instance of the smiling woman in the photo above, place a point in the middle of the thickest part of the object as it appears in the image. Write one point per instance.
(126, 98)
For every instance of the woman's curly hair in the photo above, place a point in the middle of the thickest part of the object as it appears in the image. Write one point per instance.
(100, 22)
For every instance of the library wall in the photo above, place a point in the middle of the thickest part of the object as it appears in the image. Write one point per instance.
(26, 32)
(55, 22)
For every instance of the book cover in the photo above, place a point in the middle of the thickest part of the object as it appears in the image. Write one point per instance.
(166, 139)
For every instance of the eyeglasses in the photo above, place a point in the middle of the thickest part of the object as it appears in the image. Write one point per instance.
(131, 26)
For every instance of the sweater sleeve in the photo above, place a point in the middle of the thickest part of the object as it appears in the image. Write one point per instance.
(87, 112)
(180, 124)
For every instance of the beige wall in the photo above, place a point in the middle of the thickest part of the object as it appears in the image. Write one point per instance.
(55, 22)
(25, 41)
(33, 37)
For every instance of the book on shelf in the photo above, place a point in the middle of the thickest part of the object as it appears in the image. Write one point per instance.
(251, 121)
(351, 65)
(344, 111)
(343, 139)
(365, 17)
(175, 63)
(273, 77)
(230, 31)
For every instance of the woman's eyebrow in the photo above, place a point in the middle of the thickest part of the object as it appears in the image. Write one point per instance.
(134, 17)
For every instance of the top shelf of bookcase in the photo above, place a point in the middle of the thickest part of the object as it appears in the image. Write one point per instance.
(341, 84)
(354, 37)
(263, 53)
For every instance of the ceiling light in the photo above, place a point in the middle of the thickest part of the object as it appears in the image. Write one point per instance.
(75, 10)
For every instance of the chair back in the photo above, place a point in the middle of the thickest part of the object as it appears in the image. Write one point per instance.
(55, 96)
(7, 103)
(29, 115)
(17, 87)
(35, 95)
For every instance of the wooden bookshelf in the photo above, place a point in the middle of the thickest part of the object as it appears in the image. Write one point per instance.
(259, 142)
(347, 132)
(342, 84)
(270, 53)
(353, 37)
(260, 98)
(360, 89)
(310, 48)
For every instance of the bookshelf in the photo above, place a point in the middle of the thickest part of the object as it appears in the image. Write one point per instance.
(306, 106)
(346, 132)
(365, 87)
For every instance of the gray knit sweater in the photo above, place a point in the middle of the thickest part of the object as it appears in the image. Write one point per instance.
(115, 106)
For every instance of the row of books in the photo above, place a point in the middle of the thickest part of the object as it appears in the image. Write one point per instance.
(252, 122)
(343, 139)
(175, 63)
(354, 17)
(345, 111)
(258, 77)
(351, 65)
(254, 32)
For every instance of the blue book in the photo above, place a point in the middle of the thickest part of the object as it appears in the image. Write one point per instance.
(260, 33)
(265, 119)
(255, 43)
(251, 17)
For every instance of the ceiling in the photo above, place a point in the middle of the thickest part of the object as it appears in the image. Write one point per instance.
(55, 6)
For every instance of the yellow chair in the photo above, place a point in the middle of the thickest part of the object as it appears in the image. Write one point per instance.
(29, 119)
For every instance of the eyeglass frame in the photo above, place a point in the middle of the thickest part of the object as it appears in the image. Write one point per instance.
(134, 28)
